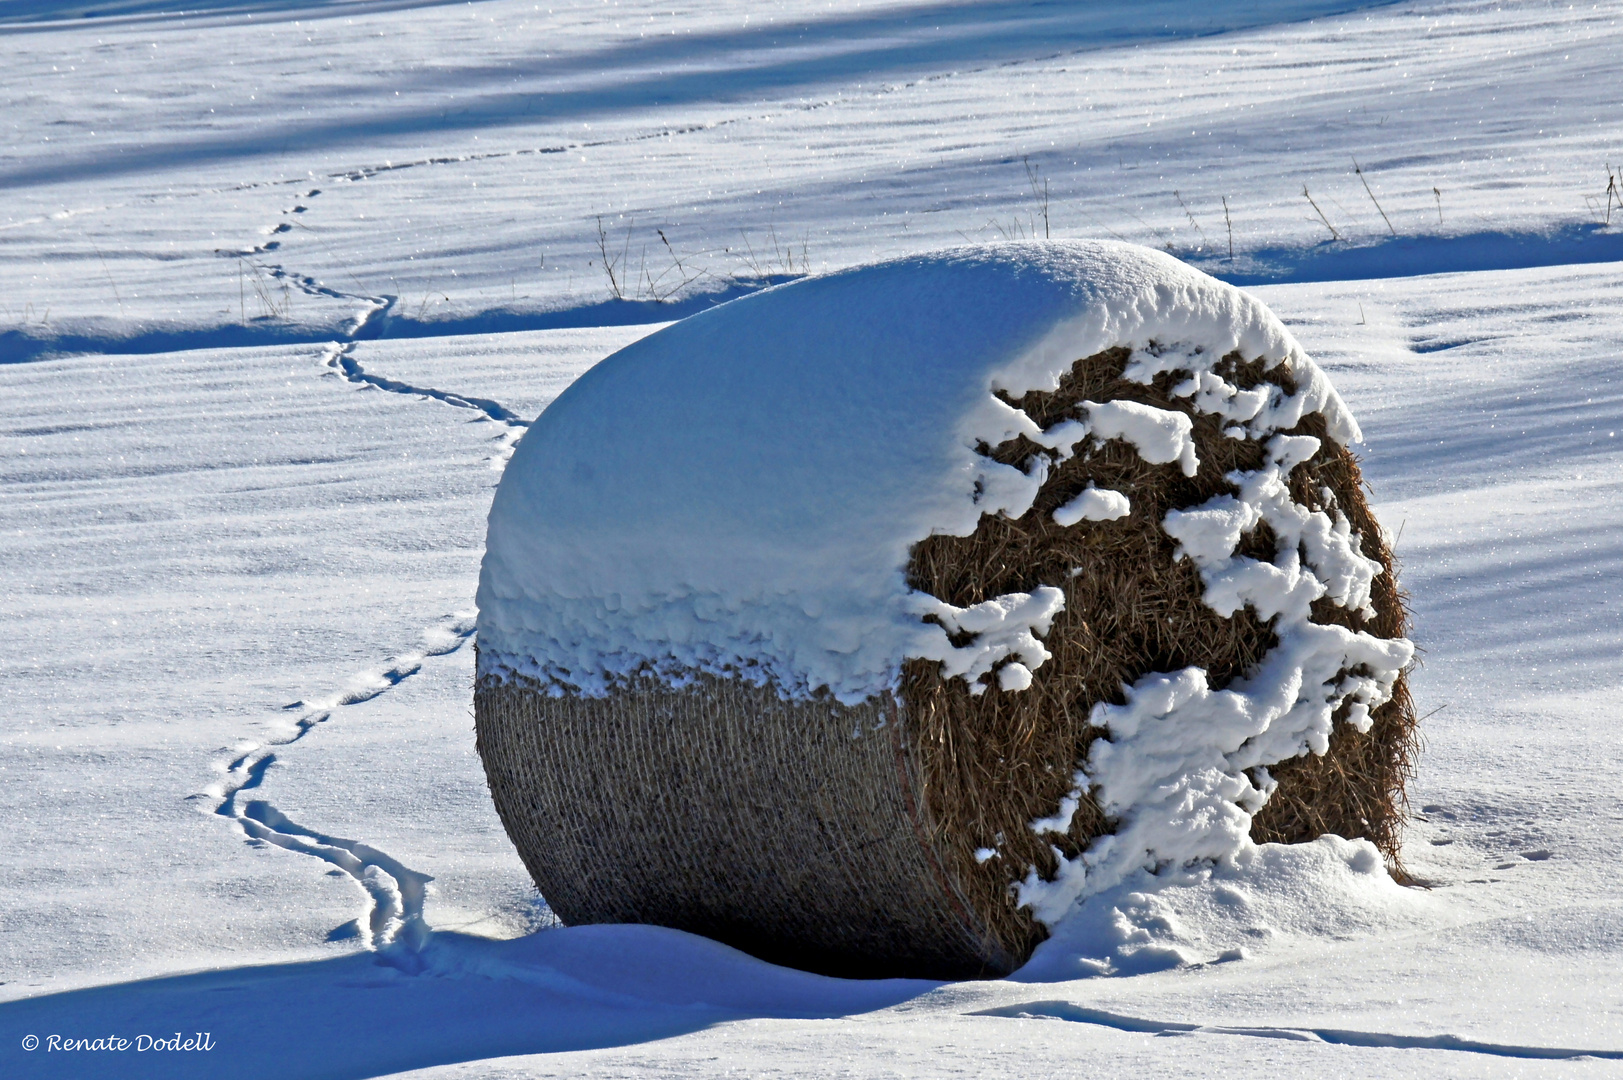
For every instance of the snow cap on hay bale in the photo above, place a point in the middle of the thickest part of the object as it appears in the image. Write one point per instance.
(869, 622)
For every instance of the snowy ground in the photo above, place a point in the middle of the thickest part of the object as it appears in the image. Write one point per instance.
(242, 524)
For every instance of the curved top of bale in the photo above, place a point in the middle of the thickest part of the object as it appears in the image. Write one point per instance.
(739, 493)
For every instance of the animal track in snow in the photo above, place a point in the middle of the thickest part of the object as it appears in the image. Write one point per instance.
(340, 358)
(395, 892)
(369, 322)
(305, 283)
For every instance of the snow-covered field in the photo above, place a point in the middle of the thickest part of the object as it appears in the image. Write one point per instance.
(280, 285)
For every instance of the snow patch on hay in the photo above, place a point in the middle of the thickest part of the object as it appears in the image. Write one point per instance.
(1093, 505)
(1003, 628)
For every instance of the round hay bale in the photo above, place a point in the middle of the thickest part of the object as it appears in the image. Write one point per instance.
(869, 622)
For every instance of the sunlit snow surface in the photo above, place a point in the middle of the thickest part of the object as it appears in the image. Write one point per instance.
(239, 540)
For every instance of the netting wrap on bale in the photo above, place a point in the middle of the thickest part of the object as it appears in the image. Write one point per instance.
(871, 622)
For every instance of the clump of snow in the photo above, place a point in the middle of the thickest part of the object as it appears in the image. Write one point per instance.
(1094, 504)
(1159, 435)
(1257, 899)
(739, 493)
(1004, 627)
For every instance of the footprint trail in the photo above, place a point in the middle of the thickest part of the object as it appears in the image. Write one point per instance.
(393, 923)
(340, 359)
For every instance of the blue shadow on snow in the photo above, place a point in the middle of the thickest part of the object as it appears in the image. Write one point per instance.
(461, 999)
(37, 343)
(1413, 256)
(786, 59)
